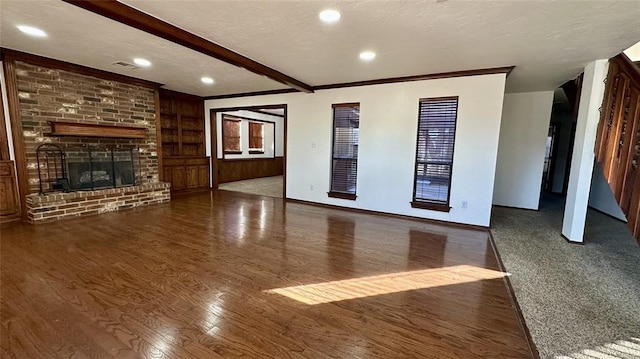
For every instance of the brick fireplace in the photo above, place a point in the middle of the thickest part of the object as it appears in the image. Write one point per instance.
(49, 97)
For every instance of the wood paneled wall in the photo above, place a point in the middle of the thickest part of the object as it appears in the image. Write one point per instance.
(242, 169)
(618, 141)
(9, 199)
(184, 163)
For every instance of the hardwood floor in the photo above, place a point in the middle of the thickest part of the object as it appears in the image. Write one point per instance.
(226, 275)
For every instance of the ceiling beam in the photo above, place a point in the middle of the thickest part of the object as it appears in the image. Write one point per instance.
(266, 113)
(127, 15)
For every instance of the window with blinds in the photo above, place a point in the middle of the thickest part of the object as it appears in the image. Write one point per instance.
(256, 137)
(231, 136)
(344, 154)
(434, 153)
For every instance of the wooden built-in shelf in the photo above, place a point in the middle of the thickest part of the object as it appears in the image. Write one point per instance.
(59, 128)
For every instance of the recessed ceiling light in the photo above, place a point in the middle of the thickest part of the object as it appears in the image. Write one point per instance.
(142, 62)
(367, 55)
(33, 31)
(207, 80)
(329, 15)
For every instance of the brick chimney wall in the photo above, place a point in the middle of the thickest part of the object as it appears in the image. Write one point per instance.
(47, 94)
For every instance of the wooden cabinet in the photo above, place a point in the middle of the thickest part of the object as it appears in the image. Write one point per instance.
(181, 125)
(9, 202)
(183, 142)
(186, 174)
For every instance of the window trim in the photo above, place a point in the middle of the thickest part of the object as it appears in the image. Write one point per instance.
(332, 193)
(256, 151)
(231, 119)
(430, 204)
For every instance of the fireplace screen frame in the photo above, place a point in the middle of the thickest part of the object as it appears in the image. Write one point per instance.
(106, 174)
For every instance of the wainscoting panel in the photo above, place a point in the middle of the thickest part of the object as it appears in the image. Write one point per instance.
(242, 169)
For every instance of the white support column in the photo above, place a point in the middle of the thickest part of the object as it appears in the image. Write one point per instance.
(575, 211)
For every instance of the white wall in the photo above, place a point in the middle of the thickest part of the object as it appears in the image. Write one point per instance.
(601, 197)
(388, 127)
(523, 138)
(270, 132)
(591, 95)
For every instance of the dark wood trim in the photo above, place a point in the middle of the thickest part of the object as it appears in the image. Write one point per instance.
(11, 198)
(182, 95)
(159, 151)
(275, 142)
(135, 18)
(213, 114)
(13, 104)
(442, 98)
(247, 118)
(226, 117)
(348, 104)
(246, 108)
(284, 154)
(250, 159)
(431, 206)
(514, 301)
(341, 195)
(4, 138)
(489, 71)
(250, 94)
(215, 169)
(415, 203)
(629, 67)
(331, 192)
(267, 113)
(79, 69)
(388, 215)
(61, 128)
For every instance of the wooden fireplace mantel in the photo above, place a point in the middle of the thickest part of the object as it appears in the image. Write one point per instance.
(59, 128)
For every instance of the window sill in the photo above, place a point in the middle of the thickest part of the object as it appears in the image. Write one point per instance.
(232, 152)
(431, 206)
(256, 152)
(342, 195)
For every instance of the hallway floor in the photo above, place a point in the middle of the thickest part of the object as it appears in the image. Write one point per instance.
(266, 186)
(579, 301)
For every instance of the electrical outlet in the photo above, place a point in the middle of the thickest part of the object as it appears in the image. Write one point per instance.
(314, 145)
(311, 187)
(465, 203)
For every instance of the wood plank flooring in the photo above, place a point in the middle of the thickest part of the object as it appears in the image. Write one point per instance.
(229, 275)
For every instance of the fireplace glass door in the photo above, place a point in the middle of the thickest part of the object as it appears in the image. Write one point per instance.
(99, 168)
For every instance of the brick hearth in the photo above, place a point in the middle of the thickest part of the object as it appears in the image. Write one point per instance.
(49, 95)
(56, 206)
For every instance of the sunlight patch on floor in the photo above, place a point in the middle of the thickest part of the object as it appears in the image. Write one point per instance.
(335, 291)
(620, 349)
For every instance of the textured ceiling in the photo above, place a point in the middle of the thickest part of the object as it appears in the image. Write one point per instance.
(78, 36)
(549, 42)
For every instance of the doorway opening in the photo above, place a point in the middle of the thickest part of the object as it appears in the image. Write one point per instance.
(248, 146)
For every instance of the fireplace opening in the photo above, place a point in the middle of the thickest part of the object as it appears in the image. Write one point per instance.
(97, 168)
(90, 168)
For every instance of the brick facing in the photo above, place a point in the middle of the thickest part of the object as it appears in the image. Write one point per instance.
(49, 95)
(56, 206)
(57, 95)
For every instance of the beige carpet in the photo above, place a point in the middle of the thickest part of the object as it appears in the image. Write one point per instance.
(579, 301)
(266, 186)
